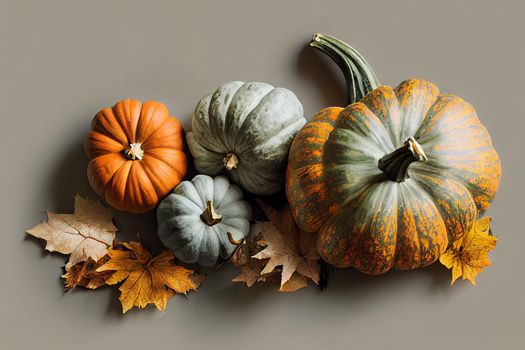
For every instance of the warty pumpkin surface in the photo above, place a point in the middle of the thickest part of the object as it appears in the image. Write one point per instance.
(136, 154)
(394, 179)
(245, 130)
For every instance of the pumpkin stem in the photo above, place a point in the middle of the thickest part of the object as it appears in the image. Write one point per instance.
(395, 164)
(230, 161)
(210, 216)
(359, 76)
(134, 152)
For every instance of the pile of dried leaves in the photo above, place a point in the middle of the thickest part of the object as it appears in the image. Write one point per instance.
(276, 251)
(95, 260)
(279, 250)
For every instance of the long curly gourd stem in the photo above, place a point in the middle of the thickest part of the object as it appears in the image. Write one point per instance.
(359, 76)
(395, 165)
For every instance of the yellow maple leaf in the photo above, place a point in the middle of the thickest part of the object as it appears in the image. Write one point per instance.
(85, 234)
(147, 280)
(470, 255)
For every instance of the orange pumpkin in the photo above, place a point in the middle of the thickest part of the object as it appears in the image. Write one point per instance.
(136, 154)
(392, 179)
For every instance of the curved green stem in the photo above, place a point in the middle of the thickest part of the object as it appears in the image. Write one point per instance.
(395, 165)
(359, 76)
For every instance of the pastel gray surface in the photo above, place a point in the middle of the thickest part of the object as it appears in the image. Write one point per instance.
(62, 61)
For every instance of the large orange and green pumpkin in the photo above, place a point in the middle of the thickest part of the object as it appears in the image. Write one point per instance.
(392, 179)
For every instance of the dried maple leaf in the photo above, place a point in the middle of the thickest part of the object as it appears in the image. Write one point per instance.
(246, 249)
(470, 255)
(87, 233)
(242, 256)
(287, 246)
(84, 275)
(296, 282)
(251, 272)
(147, 280)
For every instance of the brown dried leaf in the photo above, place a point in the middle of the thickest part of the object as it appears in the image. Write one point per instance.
(244, 252)
(85, 234)
(287, 246)
(251, 272)
(296, 282)
(84, 274)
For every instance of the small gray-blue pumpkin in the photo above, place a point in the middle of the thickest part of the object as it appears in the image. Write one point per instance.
(245, 130)
(195, 219)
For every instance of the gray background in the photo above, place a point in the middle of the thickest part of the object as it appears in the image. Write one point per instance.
(61, 61)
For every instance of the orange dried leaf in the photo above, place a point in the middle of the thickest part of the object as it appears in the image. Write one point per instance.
(147, 280)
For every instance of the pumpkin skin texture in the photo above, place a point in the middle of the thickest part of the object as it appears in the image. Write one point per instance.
(439, 171)
(245, 130)
(136, 154)
(305, 177)
(195, 219)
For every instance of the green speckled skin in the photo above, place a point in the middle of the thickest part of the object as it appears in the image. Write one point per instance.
(375, 224)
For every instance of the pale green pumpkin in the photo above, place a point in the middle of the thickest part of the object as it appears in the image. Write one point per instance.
(195, 219)
(245, 130)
